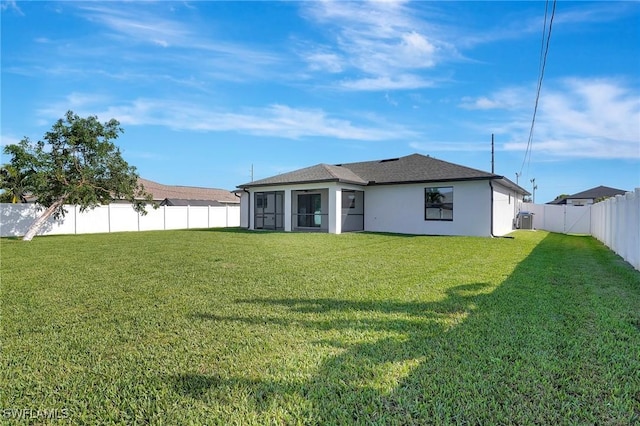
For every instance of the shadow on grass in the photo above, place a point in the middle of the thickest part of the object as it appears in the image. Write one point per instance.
(544, 347)
(231, 230)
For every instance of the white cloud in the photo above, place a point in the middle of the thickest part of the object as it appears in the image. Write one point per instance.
(584, 118)
(448, 146)
(379, 40)
(397, 82)
(199, 50)
(508, 98)
(323, 61)
(9, 140)
(140, 26)
(11, 5)
(274, 120)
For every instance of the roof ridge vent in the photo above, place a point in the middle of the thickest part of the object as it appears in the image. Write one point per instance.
(388, 160)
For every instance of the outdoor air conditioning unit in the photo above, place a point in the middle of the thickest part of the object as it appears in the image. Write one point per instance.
(524, 220)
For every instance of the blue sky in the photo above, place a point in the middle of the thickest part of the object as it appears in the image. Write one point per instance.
(206, 90)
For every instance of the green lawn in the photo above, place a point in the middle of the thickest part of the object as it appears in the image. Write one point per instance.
(231, 327)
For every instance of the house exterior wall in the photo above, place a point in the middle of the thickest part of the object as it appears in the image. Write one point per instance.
(506, 204)
(580, 201)
(401, 209)
(247, 203)
(244, 210)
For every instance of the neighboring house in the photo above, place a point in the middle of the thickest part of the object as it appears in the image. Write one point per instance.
(415, 194)
(589, 196)
(175, 195)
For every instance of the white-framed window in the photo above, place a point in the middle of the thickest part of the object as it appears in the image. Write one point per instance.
(438, 203)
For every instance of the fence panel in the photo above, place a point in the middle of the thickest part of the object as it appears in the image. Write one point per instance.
(577, 220)
(554, 219)
(563, 219)
(233, 216)
(153, 220)
(122, 218)
(15, 219)
(176, 217)
(615, 222)
(92, 221)
(198, 217)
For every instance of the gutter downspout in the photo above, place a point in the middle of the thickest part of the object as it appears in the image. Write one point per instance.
(491, 214)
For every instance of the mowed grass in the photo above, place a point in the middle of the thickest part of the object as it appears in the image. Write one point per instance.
(232, 327)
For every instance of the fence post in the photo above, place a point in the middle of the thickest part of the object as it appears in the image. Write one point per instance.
(632, 228)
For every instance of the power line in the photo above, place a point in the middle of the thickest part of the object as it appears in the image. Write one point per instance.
(544, 51)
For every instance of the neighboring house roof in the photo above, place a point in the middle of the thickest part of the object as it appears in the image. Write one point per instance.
(179, 202)
(591, 194)
(413, 168)
(162, 192)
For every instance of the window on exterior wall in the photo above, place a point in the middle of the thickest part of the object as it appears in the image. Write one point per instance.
(438, 203)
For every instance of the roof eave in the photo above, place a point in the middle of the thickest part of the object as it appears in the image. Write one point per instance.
(512, 185)
(300, 182)
(372, 183)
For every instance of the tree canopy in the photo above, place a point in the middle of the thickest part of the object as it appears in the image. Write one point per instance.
(75, 163)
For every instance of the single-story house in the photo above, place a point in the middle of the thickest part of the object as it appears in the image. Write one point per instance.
(176, 195)
(590, 196)
(415, 194)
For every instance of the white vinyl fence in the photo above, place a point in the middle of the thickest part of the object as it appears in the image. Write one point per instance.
(564, 219)
(615, 222)
(16, 218)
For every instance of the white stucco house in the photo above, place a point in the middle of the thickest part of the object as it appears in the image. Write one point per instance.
(415, 194)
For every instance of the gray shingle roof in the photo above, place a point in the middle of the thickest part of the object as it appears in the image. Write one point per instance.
(412, 168)
(161, 192)
(593, 193)
(317, 173)
(598, 192)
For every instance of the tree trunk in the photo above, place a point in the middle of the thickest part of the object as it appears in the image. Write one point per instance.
(37, 224)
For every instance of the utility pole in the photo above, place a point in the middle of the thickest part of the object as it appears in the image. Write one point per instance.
(518, 177)
(492, 155)
(534, 187)
(252, 173)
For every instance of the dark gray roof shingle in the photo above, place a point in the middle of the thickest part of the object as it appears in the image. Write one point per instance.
(317, 173)
(412, 168)
(593, 193)
(161, 192)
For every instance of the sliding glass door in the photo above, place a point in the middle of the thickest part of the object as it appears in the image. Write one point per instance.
(309, 210)
(269, 210)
